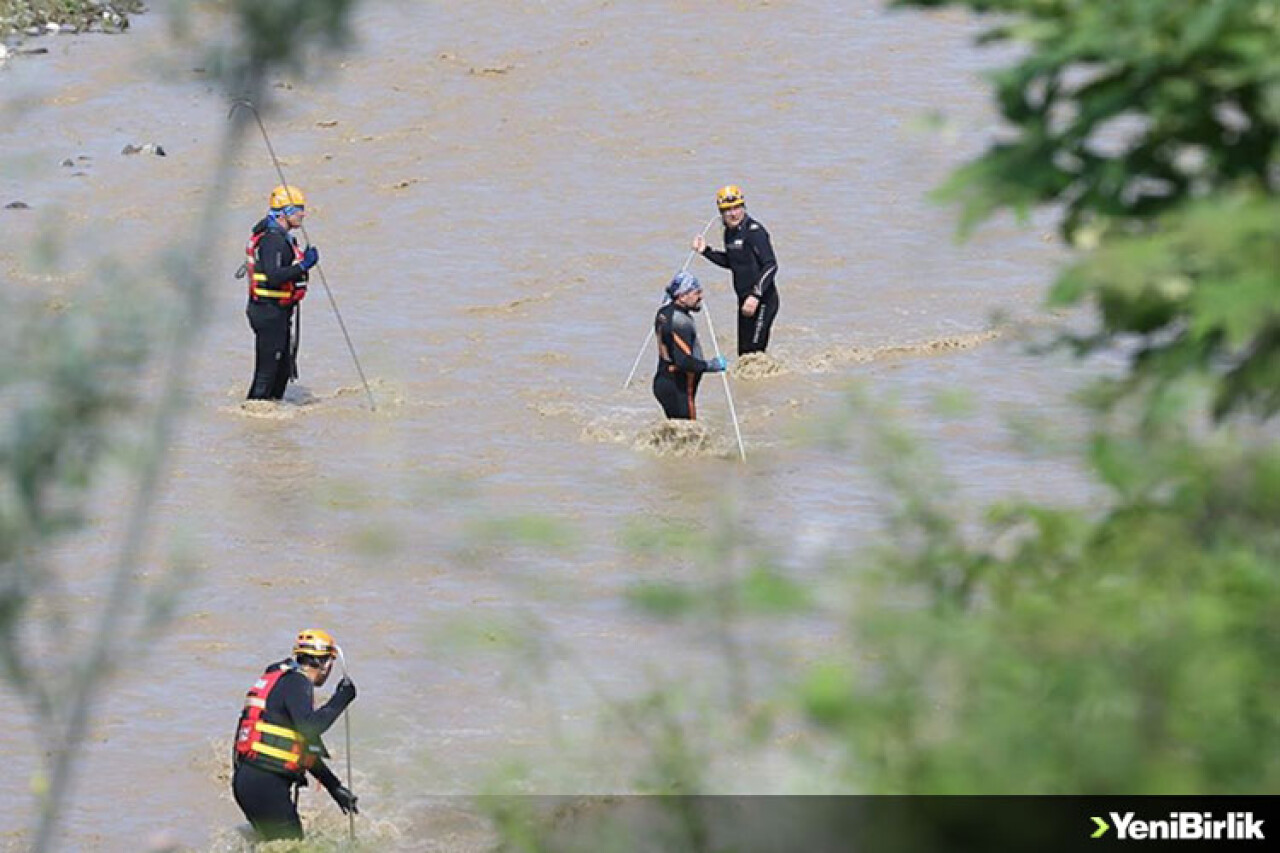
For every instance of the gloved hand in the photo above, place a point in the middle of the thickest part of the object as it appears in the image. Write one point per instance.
(345, 799)
(717, 365)
(310, 258)
(346, 689)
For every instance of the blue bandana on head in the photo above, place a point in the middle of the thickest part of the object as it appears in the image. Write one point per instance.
(684, 282)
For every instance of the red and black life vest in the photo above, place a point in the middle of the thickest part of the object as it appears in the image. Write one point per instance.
(290, 293)
(266, 743)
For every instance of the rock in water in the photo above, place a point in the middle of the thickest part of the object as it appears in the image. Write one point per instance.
(149, 148)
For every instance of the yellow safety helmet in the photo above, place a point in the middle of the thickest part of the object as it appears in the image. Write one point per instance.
(315, 642)
(730, 196)
(285, 195)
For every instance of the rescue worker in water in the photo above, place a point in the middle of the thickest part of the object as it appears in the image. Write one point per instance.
(277, 270)
(278, 738)
(680, 361)
(748, 254)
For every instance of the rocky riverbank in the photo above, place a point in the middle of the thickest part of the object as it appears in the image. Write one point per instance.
(32, 18)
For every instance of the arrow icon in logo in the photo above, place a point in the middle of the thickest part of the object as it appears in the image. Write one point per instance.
(1102, 828)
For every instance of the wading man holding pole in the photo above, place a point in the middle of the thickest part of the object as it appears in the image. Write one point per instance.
(748, 253)
(269, 373)
(278, 738)
(680, 362)
(277, 270)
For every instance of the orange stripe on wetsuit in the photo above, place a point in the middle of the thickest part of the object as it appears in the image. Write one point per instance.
(680, 362)
(691, 385)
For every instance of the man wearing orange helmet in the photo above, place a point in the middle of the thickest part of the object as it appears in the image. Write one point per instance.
(277, 270)
(278, 737)
(749, 255)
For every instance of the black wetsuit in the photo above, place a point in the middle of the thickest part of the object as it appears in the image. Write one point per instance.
(267, 797)
(680, 363)
(749, 254)
(273, 362)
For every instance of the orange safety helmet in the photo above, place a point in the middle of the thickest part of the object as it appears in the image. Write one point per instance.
(315, 642)
(287, 195)
(730, 196)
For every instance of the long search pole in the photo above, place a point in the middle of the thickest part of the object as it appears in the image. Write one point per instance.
(724, 374)
(346, 718)
(644, 346)
(333, 303)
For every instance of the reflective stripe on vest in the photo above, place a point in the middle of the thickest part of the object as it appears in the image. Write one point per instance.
(257, 281)
(264, 742)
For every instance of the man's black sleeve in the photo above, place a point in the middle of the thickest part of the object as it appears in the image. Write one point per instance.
(324, 775)
(298, 697)
(758, 240)
(720, 259)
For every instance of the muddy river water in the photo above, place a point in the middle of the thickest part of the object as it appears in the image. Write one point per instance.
(499, 191)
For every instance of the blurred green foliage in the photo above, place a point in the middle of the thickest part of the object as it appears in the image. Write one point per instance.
(272, 36)
(1121, 112)
(1117, 651)
(1155, 128)
(68, 379)
(528, 530)
(90, 382)
(1196, 298)
(1124, 647)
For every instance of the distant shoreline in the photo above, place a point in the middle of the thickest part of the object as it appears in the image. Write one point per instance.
(33, 18)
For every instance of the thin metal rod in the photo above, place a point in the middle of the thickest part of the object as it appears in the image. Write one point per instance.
(333, 303)
(346, 718)
(725, 376)
(644, 346)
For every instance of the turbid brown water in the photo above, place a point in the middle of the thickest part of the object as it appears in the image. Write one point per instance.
(499, 192)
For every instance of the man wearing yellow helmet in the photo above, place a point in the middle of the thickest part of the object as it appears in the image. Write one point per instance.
(278, 737)
(277, 270)
(748, 253)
